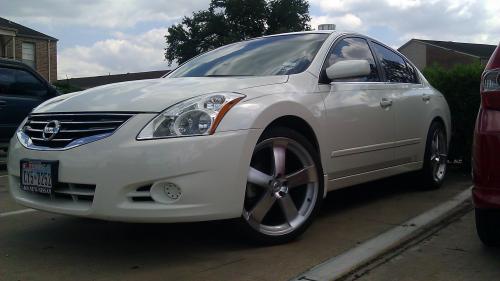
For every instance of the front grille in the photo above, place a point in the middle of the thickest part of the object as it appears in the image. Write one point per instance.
(63, 192)
(74, 128)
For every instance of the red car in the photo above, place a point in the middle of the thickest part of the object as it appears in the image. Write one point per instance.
(486, 155)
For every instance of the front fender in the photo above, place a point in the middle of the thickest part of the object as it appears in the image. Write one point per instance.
(258, 113)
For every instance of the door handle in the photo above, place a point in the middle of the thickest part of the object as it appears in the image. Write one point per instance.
(2, 103)
(385, 102)
(426, 97)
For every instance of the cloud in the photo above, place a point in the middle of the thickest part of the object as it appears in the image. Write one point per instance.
(454, 20)
(346, 22)
(98, 13)
(121, 54)
(127, 35)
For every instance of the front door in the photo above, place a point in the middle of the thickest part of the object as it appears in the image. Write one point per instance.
(360, 119)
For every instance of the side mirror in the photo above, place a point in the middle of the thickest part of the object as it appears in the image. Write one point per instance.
(348, 69)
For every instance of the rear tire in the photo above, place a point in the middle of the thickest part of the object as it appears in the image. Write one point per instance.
(435, 158)
(488, 226)
(284, 188)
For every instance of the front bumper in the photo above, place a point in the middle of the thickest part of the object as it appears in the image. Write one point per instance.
(211, 172)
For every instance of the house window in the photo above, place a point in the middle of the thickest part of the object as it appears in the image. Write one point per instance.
(28, 54)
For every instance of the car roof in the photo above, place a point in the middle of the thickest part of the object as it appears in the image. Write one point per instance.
(17, 64)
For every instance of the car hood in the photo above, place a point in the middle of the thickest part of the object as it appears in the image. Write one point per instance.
(153, 95)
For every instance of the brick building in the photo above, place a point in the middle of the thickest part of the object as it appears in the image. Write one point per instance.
(425, 53)
(34, 48)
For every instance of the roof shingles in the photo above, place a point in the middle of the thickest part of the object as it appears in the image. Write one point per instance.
(478, 50)
(23, 30)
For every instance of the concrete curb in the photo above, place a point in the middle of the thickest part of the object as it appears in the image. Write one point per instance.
(347, 262)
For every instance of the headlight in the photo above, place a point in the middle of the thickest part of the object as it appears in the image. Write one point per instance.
(193, 117)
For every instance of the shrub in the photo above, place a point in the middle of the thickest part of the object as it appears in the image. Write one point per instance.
(460, 85)
(65, 87)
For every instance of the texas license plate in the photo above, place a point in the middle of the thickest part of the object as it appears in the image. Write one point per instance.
(38, 176)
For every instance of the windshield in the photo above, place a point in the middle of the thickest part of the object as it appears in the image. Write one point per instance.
(276, 55)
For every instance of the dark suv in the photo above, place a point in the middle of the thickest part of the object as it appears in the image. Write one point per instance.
(21, 89)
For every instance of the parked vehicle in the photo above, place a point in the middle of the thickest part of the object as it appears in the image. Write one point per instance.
(486, 165)
(21, 89)
(258, 130)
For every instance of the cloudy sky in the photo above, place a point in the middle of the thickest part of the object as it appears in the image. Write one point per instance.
(98, 37)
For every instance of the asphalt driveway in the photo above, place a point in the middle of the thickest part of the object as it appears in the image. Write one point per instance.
(42, 246)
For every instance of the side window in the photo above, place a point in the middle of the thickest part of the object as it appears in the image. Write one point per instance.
(6, 80)
(394, 66)
(353, 49)
(413, 73)
(20, 83)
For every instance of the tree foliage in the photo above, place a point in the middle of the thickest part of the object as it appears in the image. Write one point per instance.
(460, 85)
(228, 21)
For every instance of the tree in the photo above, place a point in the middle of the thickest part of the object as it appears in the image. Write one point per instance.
(228, 21)
(288, 16)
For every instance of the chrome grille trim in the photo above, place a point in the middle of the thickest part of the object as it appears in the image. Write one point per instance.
(75, 129)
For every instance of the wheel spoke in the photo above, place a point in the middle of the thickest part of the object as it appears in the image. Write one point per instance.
(262, 207)
(258, 178)
(279, 156)
(288, 207)
(301, 177)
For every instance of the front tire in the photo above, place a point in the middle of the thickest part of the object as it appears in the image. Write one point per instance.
(284, 187)
(488, 226)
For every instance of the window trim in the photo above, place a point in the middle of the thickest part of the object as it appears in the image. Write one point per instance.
(322, 79)
(32, 43)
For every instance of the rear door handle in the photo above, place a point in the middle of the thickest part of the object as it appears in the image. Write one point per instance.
(426, 97)
(3, 103)
(385, 102)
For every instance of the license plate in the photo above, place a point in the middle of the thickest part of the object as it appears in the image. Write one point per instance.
(38, 176)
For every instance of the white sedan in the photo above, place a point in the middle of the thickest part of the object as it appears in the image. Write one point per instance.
(258, 130)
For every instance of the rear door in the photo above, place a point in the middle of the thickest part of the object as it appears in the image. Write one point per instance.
(20, 92)
(411, 103)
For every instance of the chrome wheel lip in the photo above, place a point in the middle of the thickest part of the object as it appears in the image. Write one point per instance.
(279, 184)
(439, 155)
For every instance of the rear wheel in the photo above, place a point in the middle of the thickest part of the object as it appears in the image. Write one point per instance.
(284, 187)
(435, 159)
(488, 226)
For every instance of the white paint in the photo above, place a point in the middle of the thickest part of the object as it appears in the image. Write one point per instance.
(345, 263)
(4, 176)
(19, 212)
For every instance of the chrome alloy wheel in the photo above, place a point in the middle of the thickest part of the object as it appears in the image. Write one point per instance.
(439, 155)
(282, 187)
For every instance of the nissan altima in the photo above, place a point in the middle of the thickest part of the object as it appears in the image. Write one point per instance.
(259, 130)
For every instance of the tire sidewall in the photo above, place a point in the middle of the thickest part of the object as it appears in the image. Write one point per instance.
(427, 171)
(265, 239)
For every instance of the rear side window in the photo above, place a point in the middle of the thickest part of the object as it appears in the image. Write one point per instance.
(18, 82)
(353, 49)
(413, 73)
(394, 65)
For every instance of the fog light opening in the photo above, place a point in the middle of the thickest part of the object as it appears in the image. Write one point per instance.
(172, 191)
(165, 192)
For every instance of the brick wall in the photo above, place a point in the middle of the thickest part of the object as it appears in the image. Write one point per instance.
(41, 55)
(447, 58)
